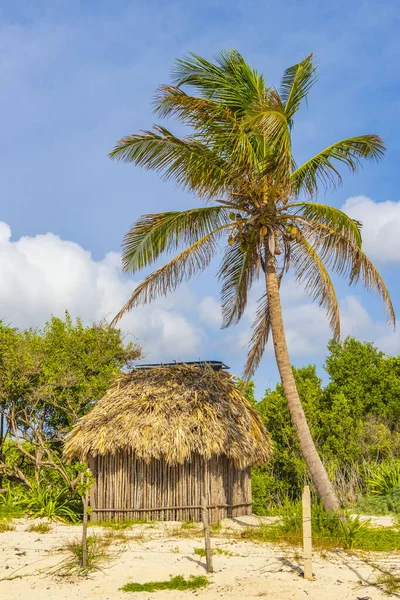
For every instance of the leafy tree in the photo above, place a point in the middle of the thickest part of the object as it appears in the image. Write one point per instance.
(369, 379)
(239, 155)
(354, 421)
(48, 379)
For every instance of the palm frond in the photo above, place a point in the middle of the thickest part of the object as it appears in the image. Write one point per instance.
(236, 274)
(321, 169)
(364, 269)
(260, 334)
(330, 216)
(190, 262)
(151, 235)
(296, 83)
(230, 81)
(268, 121)
(190, 163)
(345, 258)
(311, 272)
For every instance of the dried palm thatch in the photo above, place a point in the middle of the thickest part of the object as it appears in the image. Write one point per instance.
(171, 414)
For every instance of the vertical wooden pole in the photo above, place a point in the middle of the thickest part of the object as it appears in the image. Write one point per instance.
(85, 501)
(207, 539)
(205, 501)
(307, 540)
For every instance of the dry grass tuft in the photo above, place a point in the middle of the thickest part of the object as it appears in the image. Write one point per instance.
(98, 555)
(5, 526)
(389, 583)
(39, 527)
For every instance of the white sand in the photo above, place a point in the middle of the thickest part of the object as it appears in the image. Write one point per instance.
(254, 571)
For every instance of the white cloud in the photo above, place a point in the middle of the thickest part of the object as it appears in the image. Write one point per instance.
(381, 226)
(45, 275)
(210, 311)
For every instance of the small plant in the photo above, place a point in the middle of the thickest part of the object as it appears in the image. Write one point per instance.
(116, 535)
(189, 524)
(97, 556)
(175, 583)
(39, 527)
(202, 552)
(215, 527)
(176, 550)
(4, 527)
(352, 528)
(385, 478)
(389, 583)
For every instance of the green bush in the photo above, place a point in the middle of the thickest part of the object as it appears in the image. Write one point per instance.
(385, 478)
(55, 505)
(11, 502)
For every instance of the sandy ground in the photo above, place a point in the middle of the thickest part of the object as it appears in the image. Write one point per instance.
(154, 552)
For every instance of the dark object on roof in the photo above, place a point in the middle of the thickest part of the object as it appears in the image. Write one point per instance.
(217, 365)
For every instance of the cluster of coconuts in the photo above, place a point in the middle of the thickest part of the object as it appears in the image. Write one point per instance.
(292, 231)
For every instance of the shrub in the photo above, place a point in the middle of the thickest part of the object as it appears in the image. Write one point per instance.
(52, 504)
(385, 478)
(11, 502)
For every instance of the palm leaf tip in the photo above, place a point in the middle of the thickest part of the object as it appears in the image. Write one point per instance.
(296, 82)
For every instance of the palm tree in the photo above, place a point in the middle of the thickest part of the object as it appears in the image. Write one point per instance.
(238, 155)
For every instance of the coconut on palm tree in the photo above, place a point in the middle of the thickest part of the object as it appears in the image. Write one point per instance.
(238, 159)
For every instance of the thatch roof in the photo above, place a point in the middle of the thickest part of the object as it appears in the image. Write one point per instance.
(170, 413)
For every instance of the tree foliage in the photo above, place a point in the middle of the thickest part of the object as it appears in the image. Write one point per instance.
(48, 379)
(354, 420)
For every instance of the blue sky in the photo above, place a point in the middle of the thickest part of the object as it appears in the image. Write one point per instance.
(76, 76)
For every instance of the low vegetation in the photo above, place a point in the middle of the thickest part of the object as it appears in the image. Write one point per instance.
(202, 552)
(6, 526)
(39, 528)
(330, 531)
(175, 583)
(98, 554)
(389, 582)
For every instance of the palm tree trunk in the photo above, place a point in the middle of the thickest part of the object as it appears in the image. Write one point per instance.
(317, 470)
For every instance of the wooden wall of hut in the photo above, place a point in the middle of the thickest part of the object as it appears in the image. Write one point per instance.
(130, 488)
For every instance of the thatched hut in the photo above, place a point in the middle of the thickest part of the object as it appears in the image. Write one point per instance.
(164, 437)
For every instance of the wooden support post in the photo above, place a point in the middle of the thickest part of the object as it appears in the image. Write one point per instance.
(307, 539)
(85, 501)
(207, 539)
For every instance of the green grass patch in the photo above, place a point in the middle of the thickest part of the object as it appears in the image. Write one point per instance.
(175, 583)
(215, 527)
(202, 552)
(120, 525)
(329, 531)
(371, 539)
(39, 527)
